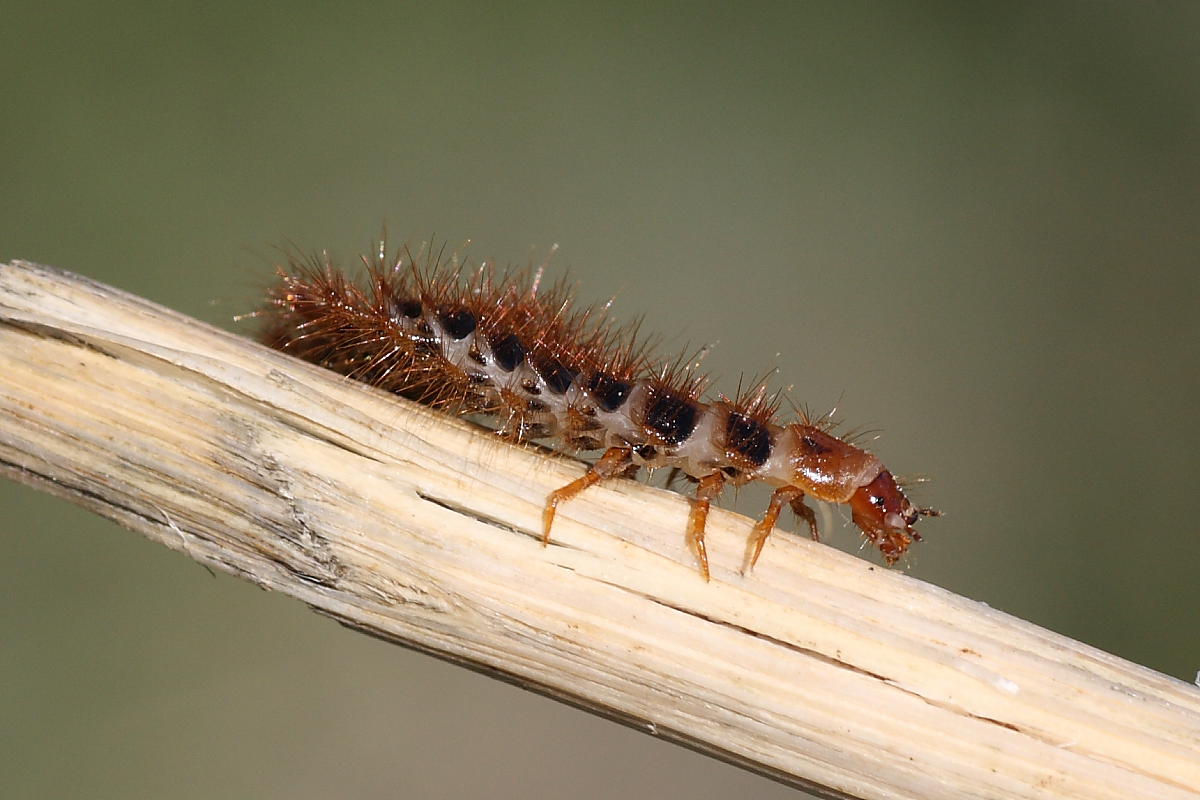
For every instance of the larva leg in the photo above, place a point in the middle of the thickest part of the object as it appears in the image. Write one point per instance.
(707, 490)
(676, 474)
(784, 494)
(614, 462)
(804, 512)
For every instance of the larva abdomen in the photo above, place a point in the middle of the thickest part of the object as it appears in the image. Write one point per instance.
(494, 343)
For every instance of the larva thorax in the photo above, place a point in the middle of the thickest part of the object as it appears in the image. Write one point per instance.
(496, 346)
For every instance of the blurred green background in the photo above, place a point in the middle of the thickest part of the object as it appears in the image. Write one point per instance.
(971, 225)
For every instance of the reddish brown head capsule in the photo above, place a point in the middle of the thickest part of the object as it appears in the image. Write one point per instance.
(886, 516)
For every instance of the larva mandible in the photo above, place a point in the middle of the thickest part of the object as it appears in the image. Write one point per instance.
(487, 341)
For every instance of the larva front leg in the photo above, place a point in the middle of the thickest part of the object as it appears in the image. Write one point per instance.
(805, 512)
(785, 494)
(707, 490)
(614, 462)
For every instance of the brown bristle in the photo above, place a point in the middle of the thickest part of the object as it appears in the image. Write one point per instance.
(479, 340)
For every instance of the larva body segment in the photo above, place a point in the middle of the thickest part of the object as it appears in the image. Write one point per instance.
(494, 344)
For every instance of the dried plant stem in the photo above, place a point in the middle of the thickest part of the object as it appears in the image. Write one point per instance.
(818, 669)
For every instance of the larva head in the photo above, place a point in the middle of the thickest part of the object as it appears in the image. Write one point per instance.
(886, 516)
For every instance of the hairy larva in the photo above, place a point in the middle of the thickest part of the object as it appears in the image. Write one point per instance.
(488, 341)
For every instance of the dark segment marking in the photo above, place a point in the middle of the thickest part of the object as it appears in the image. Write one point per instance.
(536, 406)
(557, 375)
(531, 387)
(813, 446)
(748, 437)
(672, 417)
(508, 350)
(646, 452)
(609, 392)
(406, 308)
(458, 324)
